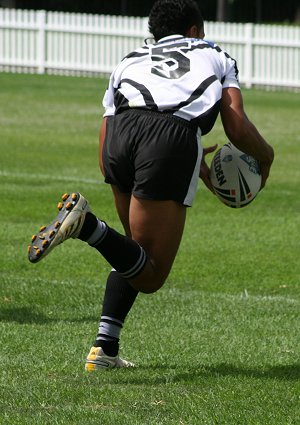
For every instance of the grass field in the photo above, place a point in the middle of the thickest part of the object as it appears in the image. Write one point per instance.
(218, 344)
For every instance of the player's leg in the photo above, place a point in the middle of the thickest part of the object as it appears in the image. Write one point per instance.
(122, 204)
(118, 299)
(157, 226)
(146, 258)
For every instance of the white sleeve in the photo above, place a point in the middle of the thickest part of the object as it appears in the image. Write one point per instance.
(108, 99)
(114, 82)
(108, 104)
(230, 78)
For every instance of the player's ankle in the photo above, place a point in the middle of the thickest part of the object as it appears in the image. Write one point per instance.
(110, 348)
(89, 226)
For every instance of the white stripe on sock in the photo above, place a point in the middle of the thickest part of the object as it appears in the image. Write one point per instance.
(136, 269)
(98, 233)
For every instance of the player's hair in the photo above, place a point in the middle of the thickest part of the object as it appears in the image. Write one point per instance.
(168, 17)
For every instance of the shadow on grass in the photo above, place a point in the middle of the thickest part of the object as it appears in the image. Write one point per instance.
(167, 374)
(29, 315)
(288, 372)
(23, 315)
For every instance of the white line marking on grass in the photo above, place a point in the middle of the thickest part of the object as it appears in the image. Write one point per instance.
(30, 176)
(29, 280)
(172, 291)
(258, 298)
(235, 297)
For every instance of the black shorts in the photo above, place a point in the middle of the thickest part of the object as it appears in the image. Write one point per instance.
(152, 155)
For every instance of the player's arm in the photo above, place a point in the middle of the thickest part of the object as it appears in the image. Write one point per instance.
(204, 168)
(101, 143)
(242, 133)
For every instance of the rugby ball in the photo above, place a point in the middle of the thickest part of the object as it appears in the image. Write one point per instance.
(235, 176)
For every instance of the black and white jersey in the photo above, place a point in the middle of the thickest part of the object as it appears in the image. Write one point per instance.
(176, 75)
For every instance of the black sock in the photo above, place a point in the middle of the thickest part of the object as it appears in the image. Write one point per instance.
(122, 253)
(89, 226)
(118, 299)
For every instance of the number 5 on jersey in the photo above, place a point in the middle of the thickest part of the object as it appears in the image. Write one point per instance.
(170, 62)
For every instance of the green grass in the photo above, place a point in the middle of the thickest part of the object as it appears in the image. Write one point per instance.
(218, 344)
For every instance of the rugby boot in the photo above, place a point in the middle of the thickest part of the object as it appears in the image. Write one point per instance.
(97, 359)
(67, 224)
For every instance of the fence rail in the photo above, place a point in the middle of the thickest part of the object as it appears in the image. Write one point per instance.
(81, 44)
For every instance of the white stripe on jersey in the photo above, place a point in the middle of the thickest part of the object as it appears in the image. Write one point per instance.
(178, 75)
(195, 177)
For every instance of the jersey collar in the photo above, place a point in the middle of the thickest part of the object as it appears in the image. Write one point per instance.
(170, 38)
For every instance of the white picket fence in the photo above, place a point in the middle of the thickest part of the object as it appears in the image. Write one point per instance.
(81, 44)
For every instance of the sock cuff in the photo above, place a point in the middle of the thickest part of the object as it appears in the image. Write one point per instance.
(112, 320)
(109, 328)
(98, 234)
(137, 268)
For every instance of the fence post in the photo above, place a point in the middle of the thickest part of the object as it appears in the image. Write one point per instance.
(41, 44)
(248, 55)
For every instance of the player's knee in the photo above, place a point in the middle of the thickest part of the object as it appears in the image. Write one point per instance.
(151, 279)
(150, 289)
(148, 286)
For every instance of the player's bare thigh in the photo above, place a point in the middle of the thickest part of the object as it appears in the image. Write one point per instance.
(157, 226)
(122, 203)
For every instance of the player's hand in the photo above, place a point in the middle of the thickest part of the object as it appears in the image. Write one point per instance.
(265, 171)
(204, 168)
